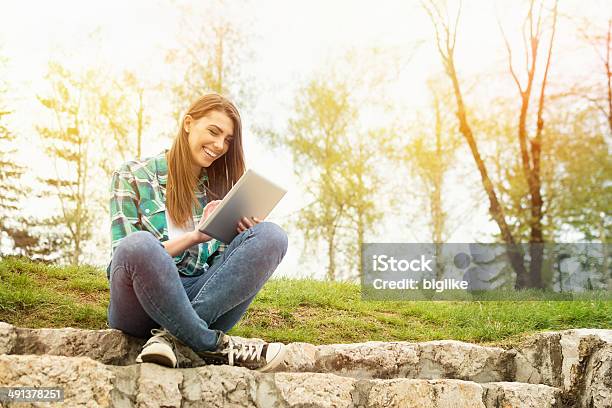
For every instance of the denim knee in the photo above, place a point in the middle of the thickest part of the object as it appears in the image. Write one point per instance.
(137, 244)
(274, 236)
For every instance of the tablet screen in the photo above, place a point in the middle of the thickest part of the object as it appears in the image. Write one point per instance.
(252, 196)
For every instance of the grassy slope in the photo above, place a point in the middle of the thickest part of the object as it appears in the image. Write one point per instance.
(38, 295)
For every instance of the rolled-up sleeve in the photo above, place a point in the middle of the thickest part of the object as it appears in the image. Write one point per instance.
(123, 206)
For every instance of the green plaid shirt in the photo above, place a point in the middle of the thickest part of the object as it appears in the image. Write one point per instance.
(137, 203)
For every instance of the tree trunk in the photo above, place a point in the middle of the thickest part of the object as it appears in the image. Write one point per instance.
(331, 268)
(436, 201)
(514, 251)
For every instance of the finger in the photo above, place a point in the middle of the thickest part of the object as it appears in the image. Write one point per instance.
(240, 225)
(257, 220)
(247, 222)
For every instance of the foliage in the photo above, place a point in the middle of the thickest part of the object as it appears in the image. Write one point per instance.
(211, 57)
(431, 156)
(73, 103)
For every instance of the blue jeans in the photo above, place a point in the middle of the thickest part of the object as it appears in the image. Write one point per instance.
(146, 290)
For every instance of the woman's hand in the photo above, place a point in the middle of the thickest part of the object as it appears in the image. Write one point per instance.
(198, 236)
(246, 223)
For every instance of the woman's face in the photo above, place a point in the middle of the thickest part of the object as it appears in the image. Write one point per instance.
(209, 137)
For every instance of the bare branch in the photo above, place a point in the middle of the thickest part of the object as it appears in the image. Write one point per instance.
(437, 32)
(509, 49)
(540, 120)
(539, 25)
(525, 44)
(456, 24)
(530, 19)
(544, 80)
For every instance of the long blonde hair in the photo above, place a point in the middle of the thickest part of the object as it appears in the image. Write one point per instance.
(222, 173)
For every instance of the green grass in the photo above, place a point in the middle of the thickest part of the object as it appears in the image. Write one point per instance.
(38, 295)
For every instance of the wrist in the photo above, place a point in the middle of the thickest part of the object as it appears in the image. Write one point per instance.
(193, 238)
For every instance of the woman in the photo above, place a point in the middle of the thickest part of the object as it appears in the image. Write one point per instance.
(164, 272)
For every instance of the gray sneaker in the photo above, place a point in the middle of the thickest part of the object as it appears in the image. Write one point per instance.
(159, 349)
(232, 350)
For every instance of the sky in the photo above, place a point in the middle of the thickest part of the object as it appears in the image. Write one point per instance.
(291, 41)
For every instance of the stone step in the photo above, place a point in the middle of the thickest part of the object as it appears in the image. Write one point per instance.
(577, 361)
(90, 383)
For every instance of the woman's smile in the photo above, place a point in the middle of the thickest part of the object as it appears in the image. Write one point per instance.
(209, 153)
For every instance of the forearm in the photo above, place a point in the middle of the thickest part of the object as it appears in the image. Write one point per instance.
(177, 245)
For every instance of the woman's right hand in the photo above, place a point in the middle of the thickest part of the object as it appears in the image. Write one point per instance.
(200, 237)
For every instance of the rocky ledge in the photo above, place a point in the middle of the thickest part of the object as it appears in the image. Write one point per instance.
(571, 368)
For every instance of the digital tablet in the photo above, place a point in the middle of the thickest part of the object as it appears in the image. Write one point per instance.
(252, 196)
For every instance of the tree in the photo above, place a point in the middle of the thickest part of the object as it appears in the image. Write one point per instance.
(39, 238)
(337, 157)
(530, 148)
(363, 191)
(582, 174)
(317, 139)
(11, 190)
(69, 141)
(124, 112)
(430, 157)
(600, 40)
(210, 58)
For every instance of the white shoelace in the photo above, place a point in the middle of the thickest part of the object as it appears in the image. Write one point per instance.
(242, 351)
(158, 333)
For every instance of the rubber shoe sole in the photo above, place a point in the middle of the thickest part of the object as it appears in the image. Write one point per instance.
(158, 354)
(275, 355)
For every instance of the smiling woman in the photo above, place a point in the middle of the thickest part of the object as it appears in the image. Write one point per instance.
(212, 123)
(167, 277)
(208, 135)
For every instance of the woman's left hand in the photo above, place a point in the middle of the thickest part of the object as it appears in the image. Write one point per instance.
(246, 223)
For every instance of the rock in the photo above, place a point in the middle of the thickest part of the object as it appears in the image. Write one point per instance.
(465, 361)
(372, 359)
(125, 385)
(425, 393)
(219, 386)
(571, 368)
(570, 343)
(519, 395)
(89, 383)
(7, 338)
(539, 360)
(577, 361)
(590, 375)
(85, 382)
(436, 359)
(314, 389)
(300, 357)
(597, 379)
(159, 386)
(107, 346)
